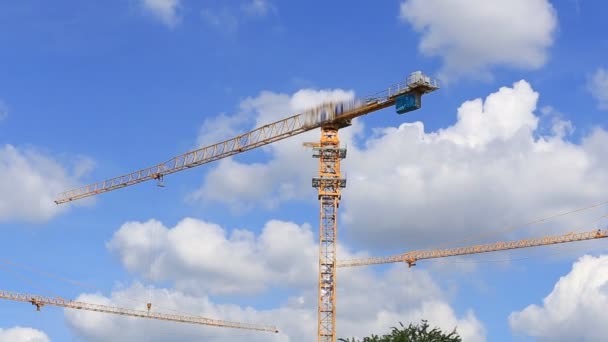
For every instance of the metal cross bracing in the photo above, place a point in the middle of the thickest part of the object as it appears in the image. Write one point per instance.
(411, 257)
(40, 301)
(328, 113)
(328, 183)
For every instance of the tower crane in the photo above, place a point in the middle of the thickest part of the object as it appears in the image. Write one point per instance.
(40, 301)
(330, 117)
(412, 257)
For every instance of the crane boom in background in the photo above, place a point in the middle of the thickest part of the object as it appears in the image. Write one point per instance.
(40, 301)
(411, 257)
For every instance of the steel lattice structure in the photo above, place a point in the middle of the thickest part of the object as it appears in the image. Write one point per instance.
(416, 83)
(329, 183)
(411, 257)
(40, 301)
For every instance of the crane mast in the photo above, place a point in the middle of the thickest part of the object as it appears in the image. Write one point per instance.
(328, 183)
(411, 257)
(40, 301)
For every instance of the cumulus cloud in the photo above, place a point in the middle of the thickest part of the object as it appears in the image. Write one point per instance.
(368, 304)
(220, 128)
(243, 186)
(21, 334)
(30, 181)
(163, 10)
(574, 310)
(598, 86)
(202, 257)
(489, 169)
(471, 36)
(500, 163)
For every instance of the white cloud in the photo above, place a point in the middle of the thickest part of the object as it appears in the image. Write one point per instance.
(163, 10)
(490, 169)
(598, 86)
(367, 303)
(500, 117)
(243, 186)
(3, 110)
(471, 36)
(201, 257)
(220, 128)
(30, 182)
(574, 310)
(20, 334)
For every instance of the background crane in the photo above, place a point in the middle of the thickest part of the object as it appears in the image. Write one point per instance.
(40, 301)
(411, 257)
(330, 117)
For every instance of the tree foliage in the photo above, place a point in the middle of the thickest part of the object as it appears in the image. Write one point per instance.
(412, 333)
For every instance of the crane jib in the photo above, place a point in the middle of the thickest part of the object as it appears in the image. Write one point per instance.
(40, 301)
(412, 257)
(338, 113)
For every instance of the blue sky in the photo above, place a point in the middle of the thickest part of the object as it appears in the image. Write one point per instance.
(518, 131)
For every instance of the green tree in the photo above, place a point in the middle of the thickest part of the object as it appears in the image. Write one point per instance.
(413, 333)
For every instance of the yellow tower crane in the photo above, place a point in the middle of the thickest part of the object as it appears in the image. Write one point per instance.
(330, 117)
(412, 257)
(40, 301)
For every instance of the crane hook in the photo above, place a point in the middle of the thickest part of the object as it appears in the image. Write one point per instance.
(159, 178)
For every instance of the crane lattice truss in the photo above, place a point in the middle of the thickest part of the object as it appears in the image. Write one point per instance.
(40, 301)
(411, 257)
(325, 114)
(328, 184)
(330, 117)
